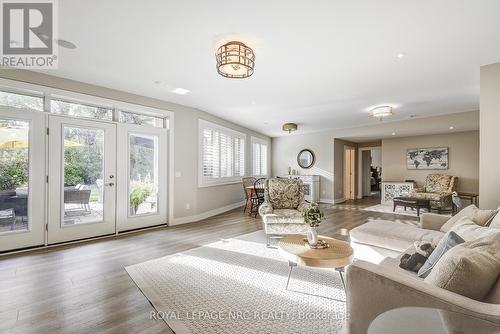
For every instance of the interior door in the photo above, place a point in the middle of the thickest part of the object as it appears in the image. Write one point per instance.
(142, 176)
(82, 170)
(22, 178)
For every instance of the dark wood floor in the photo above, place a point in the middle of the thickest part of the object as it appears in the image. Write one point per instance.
(83, 288)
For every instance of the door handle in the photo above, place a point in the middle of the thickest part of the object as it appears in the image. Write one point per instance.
(109, 184)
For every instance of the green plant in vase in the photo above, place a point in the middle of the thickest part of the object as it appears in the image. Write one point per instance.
(313, 217)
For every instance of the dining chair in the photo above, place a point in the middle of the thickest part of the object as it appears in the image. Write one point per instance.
(257, 195)
(248, 182)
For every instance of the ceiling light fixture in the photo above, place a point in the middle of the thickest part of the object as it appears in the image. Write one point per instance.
(381, 112)
(290, 127)
(401, 55)
(180, 91)
(235, 60)
(452, 127)
(66, 44)
(394, 133)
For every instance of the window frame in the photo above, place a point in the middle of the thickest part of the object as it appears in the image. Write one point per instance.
(260, 141)
(204, 181)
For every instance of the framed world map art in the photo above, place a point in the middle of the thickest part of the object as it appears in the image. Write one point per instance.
(427, 158)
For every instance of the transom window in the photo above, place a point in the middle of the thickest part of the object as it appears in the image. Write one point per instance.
(59, 105)
(259, 157)
(222, 154)
(21, 101)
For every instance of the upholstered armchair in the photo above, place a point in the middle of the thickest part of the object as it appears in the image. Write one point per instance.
(282, 210)
(438, 189)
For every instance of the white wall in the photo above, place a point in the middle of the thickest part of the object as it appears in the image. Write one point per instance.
(463, 158)
(376, 154)
(186, 191)
(489, 186)
(286, 148)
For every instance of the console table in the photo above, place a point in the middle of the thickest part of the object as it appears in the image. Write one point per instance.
(391, 189)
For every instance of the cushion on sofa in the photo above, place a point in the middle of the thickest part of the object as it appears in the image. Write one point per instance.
(450, 240)
(392, 235)
(495, 222)
(470, 231)
(470, 269)
(478, 216)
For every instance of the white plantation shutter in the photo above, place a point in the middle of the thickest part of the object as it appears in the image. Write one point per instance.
(259, 157)
(222, 153)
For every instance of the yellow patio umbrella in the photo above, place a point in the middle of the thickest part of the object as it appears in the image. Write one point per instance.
(23, 144)
(14, 144)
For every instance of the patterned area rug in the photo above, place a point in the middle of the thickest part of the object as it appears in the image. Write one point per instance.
(238, 286)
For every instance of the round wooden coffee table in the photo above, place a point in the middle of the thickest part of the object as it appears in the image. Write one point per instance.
(297, 251)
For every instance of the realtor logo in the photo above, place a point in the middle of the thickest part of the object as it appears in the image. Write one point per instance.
(28, 34)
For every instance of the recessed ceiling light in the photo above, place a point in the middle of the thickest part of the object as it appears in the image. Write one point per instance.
(157, 82)
(180, 91)
(254, 103)
(66, 44)
(394, 133)
(401, 55)
(452, 127)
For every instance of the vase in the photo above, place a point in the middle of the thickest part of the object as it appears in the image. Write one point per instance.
(312, 236)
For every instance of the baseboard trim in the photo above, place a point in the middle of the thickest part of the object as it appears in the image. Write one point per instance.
(326, 200)
(338, 201)
(205, 215)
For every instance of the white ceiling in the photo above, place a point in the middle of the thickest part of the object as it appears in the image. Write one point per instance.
(319, 63)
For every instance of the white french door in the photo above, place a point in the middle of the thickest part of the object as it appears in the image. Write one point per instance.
(142, 177)
(82, 179)
(22, 178)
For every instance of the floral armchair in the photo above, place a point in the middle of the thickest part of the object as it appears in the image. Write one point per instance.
(283, 207)
(438, 189)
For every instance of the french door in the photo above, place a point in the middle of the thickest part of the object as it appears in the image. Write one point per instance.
(22, 178)
(82, 179)
(142, 175)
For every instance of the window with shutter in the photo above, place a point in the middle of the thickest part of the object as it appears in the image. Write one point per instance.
(259, 157)
(222, 154)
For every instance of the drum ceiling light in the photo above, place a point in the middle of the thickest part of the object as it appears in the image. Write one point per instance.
(235, 60)
(381, 112)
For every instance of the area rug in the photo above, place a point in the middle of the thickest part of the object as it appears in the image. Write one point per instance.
(238, 286)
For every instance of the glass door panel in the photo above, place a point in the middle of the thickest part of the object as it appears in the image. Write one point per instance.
(142, 177)
(82, 169)
(22, 174)
(83, 175)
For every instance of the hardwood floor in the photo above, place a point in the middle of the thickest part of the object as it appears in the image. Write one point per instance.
(83, 288)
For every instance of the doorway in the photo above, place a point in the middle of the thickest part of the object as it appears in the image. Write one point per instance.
(81, 179)
(22, 181)
(349, 172)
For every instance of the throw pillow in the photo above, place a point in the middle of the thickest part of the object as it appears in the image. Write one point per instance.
(469, 230)
(495, 222)
(478, 216)
(449, 240)
(413, 262)
(470, 269)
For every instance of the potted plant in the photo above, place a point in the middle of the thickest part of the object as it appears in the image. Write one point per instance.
(139, 193)
(313, 217)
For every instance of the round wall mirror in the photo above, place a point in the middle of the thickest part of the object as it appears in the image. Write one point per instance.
(306, 158)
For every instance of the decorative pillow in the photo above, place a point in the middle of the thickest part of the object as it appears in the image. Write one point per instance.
(470, 269)
(470, 231)
(480, 217)
(495, 222)
(449, 240)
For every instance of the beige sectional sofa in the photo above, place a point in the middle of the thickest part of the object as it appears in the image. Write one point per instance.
(376, 284)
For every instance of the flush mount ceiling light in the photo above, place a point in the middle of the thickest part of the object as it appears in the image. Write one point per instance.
(66, 44)
(381, 112)
(235, 60)
(290, 127)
